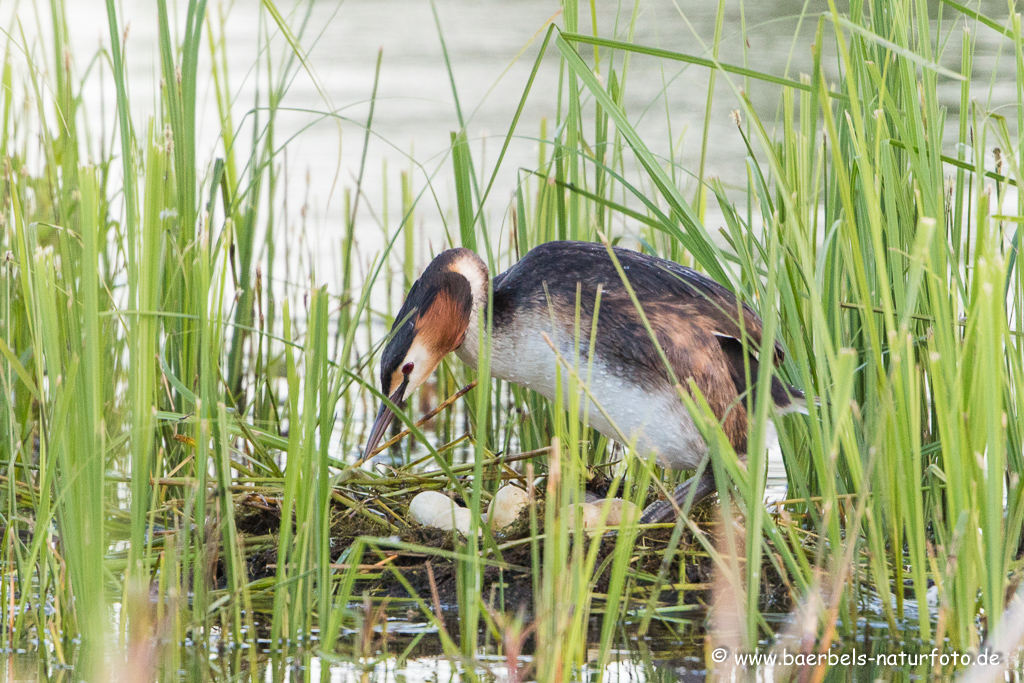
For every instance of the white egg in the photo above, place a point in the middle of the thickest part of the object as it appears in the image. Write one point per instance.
(463, 521)
(429, 505)
(591, 514)
(621, 511)
(506, 506)
(438, 511)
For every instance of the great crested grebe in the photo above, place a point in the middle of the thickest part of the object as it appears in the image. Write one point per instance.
(696, 321)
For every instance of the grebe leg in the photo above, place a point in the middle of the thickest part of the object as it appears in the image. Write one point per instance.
(665, 510)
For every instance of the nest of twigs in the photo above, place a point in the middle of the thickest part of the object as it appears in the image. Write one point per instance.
(361, 511)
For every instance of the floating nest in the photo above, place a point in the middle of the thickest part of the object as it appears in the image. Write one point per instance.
(399, 555)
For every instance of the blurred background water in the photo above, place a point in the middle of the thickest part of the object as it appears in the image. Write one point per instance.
(491, 47)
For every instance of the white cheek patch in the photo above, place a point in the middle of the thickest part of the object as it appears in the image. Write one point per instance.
(423, 362)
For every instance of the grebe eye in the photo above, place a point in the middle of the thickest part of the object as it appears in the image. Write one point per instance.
(407, 368)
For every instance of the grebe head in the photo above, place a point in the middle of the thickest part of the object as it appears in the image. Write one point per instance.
(431, 324)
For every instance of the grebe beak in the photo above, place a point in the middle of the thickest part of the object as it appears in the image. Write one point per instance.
(384, 417)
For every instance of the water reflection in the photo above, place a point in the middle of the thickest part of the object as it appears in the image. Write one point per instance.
(414, 655)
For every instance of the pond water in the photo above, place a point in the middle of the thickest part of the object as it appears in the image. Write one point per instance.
(411, 653)
(415, 111)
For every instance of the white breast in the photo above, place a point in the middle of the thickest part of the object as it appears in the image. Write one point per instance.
(653, 417)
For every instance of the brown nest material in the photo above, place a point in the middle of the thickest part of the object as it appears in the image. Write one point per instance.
(507, 581)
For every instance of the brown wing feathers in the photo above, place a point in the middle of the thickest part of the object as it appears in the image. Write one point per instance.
(696, 320)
